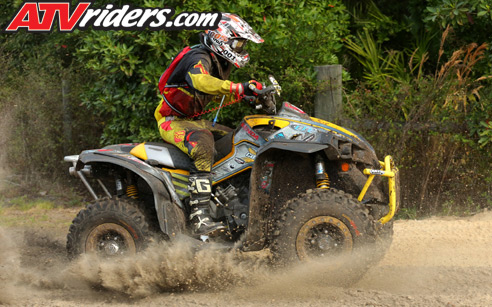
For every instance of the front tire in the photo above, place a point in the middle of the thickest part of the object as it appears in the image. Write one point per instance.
(319, 224)
(109, 227)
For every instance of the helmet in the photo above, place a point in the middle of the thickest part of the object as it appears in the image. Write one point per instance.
(229, 39)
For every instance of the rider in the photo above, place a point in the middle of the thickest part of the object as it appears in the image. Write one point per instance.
(200, 75)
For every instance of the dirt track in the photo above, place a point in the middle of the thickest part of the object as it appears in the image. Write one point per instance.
(432, 262)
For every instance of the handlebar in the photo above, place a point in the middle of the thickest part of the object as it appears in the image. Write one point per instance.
(264, 98)
(266, 90)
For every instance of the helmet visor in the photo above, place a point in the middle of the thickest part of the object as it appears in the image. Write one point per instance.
(238, 44)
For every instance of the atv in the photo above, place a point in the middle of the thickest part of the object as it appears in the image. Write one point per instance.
(297, 185)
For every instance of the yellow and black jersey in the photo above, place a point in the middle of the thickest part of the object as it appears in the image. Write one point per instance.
(196, 79)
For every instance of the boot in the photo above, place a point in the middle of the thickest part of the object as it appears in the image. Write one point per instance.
(200, 189)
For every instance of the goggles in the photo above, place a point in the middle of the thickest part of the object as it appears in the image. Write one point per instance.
(238, 44)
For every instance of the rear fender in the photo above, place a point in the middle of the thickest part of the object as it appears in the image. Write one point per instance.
(165, 198)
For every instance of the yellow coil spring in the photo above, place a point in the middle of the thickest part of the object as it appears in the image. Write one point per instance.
(131, 191)
(323, 183)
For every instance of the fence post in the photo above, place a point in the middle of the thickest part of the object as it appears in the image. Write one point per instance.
(328, 101)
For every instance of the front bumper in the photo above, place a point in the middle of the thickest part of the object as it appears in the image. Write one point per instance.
(389, 170)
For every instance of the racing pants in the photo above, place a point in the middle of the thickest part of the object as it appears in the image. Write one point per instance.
(194, 137)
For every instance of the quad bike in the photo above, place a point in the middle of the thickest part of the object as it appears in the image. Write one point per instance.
(297, 185)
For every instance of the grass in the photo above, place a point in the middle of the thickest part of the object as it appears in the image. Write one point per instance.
(55, 220)
(23, 203)
(39, 212)
(407, 214)
(447, 208)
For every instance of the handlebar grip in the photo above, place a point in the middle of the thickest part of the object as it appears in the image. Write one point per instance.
(266, 90)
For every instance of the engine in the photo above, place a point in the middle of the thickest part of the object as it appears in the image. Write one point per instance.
(232, 204)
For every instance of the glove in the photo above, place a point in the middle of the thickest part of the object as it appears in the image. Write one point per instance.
(242, 90)
(248, 91)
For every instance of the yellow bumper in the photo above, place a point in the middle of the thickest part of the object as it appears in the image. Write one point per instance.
(389, 170)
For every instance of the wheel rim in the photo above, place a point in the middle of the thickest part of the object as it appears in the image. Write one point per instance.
(110, 240)
(323, 236)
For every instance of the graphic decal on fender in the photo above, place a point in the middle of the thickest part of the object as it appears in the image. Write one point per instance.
(251, 154)
(293, 107)
(249, 131)
(279, 136)
(303, 128)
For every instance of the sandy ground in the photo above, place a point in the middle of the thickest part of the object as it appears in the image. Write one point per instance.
(432, 262)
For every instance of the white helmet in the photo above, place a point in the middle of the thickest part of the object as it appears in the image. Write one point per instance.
(229, 39)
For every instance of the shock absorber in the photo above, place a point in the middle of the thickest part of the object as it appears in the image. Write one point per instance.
(322, 179)
(131, 191)
(131, 188)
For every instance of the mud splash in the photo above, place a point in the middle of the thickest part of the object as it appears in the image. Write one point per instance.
(177, 267)
(184, 267)
(37, 263)
(433, 262)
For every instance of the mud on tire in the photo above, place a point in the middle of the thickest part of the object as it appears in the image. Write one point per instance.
(323, 223)
(108, 227)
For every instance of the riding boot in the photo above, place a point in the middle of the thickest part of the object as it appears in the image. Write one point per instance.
(200, 190)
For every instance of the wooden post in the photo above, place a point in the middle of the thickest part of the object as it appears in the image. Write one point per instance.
(328, 101)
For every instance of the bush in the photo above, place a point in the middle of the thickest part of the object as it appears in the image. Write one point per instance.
(431, 124)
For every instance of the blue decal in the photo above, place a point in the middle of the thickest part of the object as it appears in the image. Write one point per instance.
(302, 128)
(279, 136)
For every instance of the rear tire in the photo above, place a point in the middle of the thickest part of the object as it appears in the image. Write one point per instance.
(108, 227)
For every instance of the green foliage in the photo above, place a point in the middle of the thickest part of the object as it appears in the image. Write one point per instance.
(470, 22)
(127, 65)
(433, 105)
(432, 126)
(32, 120)
(407, 214)
(457, 13)
(378, 66)
(485, 134)
(368, 16)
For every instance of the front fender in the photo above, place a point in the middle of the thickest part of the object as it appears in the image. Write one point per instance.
(280, 172)
(292, 145)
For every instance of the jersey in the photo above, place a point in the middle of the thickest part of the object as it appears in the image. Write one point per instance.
(196, 79)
